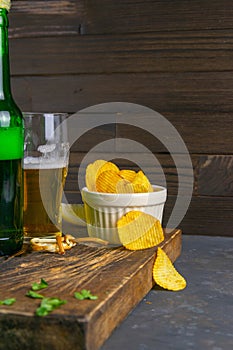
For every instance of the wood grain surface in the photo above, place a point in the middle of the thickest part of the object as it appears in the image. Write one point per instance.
(120, 278)
(173, 56)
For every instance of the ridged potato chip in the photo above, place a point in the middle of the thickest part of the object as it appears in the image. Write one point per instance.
(141, 183)
(91, 173)
(138, 230)
(108, 166)
(93, 170)
(123, 181)
(128, 174)
(165, 274)
(111, 182)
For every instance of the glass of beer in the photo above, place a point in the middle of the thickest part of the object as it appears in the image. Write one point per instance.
(46, 157)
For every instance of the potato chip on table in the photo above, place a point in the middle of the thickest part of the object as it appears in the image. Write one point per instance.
(165, 274)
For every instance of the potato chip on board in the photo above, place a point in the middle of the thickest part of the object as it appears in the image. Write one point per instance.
(91, 173)
(165, 274)
(138, 230)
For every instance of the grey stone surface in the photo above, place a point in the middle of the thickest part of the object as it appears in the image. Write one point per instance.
(199, 317)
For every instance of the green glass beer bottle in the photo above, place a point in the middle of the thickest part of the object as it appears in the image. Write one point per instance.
(11, 151)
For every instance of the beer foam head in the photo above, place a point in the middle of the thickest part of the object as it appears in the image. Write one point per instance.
(5, 4)
(41, 163)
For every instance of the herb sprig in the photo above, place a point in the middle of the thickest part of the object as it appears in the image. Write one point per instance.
(47, 305)
(38, 286)
(9, 301)
(85, 294)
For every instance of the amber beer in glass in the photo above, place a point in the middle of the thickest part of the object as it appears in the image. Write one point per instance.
(46, 155)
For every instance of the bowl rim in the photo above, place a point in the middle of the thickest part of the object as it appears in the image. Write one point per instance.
(141, 194)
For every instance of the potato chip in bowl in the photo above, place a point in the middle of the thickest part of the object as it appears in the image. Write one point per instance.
(111, 193)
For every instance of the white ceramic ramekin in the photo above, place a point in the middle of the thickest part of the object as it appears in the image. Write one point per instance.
(102, 210)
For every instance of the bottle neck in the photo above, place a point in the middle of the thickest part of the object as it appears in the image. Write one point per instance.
(5, 90)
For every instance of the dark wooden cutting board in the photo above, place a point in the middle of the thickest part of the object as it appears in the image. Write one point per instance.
(119, 277)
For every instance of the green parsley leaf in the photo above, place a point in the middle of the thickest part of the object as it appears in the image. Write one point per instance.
(8, 301)
(37, 286)
(48, 305)
(41, 311)
(85, 294)
(34, 295)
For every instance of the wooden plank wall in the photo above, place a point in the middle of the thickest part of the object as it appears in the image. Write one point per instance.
(174, 56)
